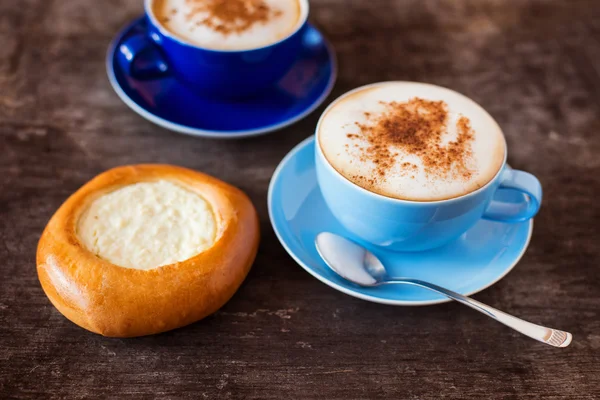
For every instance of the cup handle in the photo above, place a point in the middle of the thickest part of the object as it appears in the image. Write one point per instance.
(131, 48)
(522, 182)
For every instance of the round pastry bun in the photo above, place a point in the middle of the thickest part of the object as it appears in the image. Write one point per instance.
(124, 302)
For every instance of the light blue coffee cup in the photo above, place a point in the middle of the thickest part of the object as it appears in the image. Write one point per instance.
(402, 225)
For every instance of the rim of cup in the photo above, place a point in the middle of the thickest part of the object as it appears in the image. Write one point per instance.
(304, 10)
(393, 199)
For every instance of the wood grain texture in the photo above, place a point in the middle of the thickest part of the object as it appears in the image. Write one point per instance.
(534, 64)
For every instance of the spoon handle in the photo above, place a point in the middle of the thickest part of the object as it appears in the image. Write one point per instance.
(552, 337)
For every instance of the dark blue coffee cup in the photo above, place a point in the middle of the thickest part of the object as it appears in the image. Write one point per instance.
(221, 73)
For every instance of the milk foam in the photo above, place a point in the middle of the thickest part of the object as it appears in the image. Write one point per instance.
(344, 143)
(173, 14)
(147, 225)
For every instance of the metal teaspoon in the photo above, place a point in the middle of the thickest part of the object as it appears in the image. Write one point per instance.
(358, 265)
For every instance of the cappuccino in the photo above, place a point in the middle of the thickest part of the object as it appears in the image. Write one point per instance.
(230, 24)
(411, 141)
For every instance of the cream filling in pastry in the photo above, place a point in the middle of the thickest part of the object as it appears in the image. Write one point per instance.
(147, 225)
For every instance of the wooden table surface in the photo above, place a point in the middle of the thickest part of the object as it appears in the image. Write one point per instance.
(535, 65)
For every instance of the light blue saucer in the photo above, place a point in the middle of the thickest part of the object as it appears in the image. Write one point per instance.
(475, 261)
(168, 103)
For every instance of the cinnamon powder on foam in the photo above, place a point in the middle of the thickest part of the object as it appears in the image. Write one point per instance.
(230, 16)
(415, 127)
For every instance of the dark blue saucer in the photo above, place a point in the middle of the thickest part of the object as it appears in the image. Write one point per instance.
(168, 103)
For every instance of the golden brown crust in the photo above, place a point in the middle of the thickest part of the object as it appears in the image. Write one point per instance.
(124, 302)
